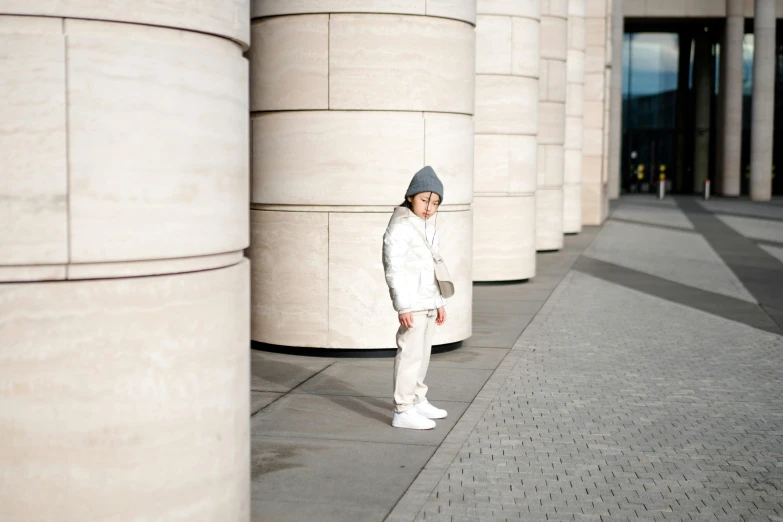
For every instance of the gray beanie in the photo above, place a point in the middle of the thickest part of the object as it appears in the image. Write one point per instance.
(425, 181)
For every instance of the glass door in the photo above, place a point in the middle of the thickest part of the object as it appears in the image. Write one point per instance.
(650, 118)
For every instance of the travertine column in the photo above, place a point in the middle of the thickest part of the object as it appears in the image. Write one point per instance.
(551, 125)
(594, 195)
(348, 101)
(717, 158)
(607, 98)
(731, 99)
(506, 121)
(124, 296)
(702, 86)
(616, 100)
(763, 115)
(575, 79)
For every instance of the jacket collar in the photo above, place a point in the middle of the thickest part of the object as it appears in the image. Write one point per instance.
(405, 212)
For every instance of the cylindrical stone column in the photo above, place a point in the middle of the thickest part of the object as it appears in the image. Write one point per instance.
(607, 100)
(763, 104)
(730, 100)
(506, 124)
(124, 295)
(551, 125)
(594, 196)
(719, 117)
(575, 80)
(348, 101)
(702, 86)
(616, 99)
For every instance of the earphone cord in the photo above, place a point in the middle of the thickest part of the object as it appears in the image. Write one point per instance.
(436, 224)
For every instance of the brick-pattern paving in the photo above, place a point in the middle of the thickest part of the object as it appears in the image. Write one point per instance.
(624, 406)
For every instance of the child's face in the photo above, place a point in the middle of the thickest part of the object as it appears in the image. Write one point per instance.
(425, 204)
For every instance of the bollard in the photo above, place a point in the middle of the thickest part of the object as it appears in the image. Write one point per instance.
(707, 190)
(662, 186)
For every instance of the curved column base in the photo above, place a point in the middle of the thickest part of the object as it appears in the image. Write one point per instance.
(595, 203)
(549, 218)
(126, 396)
(572, 209)
(572, 187)
(504, 238)
(317, 278)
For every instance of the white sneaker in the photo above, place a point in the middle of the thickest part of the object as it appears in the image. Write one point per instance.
(431, 412)
(411, 419)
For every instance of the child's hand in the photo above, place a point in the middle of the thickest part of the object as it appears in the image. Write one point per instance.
(441, 316)
(406, 320)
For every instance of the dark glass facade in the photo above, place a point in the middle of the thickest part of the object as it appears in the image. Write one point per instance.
(650, 79)
(660, 131)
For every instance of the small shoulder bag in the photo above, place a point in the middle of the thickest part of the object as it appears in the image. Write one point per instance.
(445, 283)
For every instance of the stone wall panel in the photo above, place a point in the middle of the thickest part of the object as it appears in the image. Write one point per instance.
(494, 44)
(289, 253)
(178, 176)
(504, 248)
(34, 213)
(335, 157)
(525, 47)
(226, 18)
(290, 56)
(142, 418)
(572, 208)
(506, 105)
(552, 86)
(448, 148)
(464, 10)
(408, 63)
(549, 219)
(523, 161)
(551, 117)
(524, 9)
(554, 38)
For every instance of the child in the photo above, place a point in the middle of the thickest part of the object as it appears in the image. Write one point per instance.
(410, 274)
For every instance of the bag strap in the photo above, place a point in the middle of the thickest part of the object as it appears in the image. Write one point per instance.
(435, 255)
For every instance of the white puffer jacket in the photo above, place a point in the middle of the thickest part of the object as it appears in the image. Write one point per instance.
(410, 270)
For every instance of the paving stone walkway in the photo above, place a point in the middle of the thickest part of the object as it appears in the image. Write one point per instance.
(613, 386)
(624, 406)
(641, 391)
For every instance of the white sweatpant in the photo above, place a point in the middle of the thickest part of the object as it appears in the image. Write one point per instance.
(414, 346)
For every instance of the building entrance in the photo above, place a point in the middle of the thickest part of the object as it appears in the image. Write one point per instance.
(670, 105)
(669, 99)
